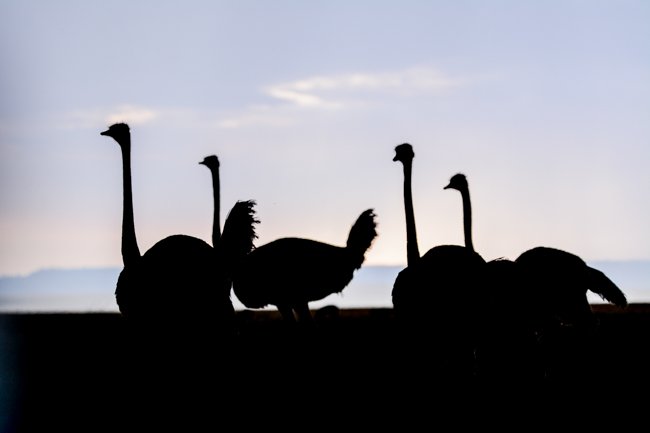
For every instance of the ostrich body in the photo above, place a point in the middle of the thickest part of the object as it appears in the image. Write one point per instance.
(561, 281)
(167, 282)
(562, 317)
(508, 351)
(434, 297)
(180, 282)
(291, 272)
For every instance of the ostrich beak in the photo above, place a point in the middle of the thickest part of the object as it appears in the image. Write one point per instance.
(104, 133)
(448, 186)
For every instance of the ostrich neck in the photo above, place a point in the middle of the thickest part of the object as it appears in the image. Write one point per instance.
(216, 225)
(467, 219)
(130, 250)
(412, 251)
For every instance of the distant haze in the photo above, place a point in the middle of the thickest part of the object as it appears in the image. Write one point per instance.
(92, 290)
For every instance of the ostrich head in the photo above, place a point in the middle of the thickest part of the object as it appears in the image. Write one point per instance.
(403, 153)
(458, 182)
(120, 132)
(210, 161)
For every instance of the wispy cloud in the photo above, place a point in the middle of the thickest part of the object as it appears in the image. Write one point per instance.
(289, 100)
(338, 91)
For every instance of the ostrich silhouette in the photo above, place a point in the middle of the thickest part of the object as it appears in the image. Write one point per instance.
(459, 183)
(212, 163)
(562, 280)
(239, 233)
(178, 286)
(291, 272)
(505, 337)
(434, 297)
(563, 317)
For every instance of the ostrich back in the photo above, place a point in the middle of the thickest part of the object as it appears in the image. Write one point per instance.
(508, 303)
(292, 270)
(560, 280)
(178, 280)
(443, 285)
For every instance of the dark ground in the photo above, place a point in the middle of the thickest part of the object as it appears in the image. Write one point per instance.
(89, 372)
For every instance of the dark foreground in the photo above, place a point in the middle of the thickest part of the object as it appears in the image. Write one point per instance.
(89, 372)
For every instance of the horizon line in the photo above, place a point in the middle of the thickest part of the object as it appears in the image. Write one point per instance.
(374, 265)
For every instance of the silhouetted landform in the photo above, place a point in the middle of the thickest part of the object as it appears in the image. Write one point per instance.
(56, 286)
(88, 372)
(180, 284)
(436, 296)
(288, 273)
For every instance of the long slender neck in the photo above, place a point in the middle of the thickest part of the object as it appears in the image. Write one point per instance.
(130, 250)
(216, 222)
(412, 251)
(467, 218)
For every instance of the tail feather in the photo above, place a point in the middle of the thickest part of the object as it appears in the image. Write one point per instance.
(363, 232)
(239, 233)
(605, 288)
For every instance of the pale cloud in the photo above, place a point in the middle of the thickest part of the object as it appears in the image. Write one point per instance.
(292, 100)
(297, 97)
(338, 90)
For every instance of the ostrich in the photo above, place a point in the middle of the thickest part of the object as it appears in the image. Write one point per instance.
(178, 286)
(506, 340)
(459, 183)
(434, 297)
(291, 272)
(239, 231)
(212, 163)
(560, 280)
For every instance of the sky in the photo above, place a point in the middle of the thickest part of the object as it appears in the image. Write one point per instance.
(543, 105)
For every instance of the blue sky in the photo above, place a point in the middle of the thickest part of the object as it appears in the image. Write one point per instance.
(545, 106)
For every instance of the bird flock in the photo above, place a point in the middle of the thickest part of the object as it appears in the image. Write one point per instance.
(458, 314)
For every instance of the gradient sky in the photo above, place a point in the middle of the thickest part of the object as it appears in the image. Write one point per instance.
(544, 105)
